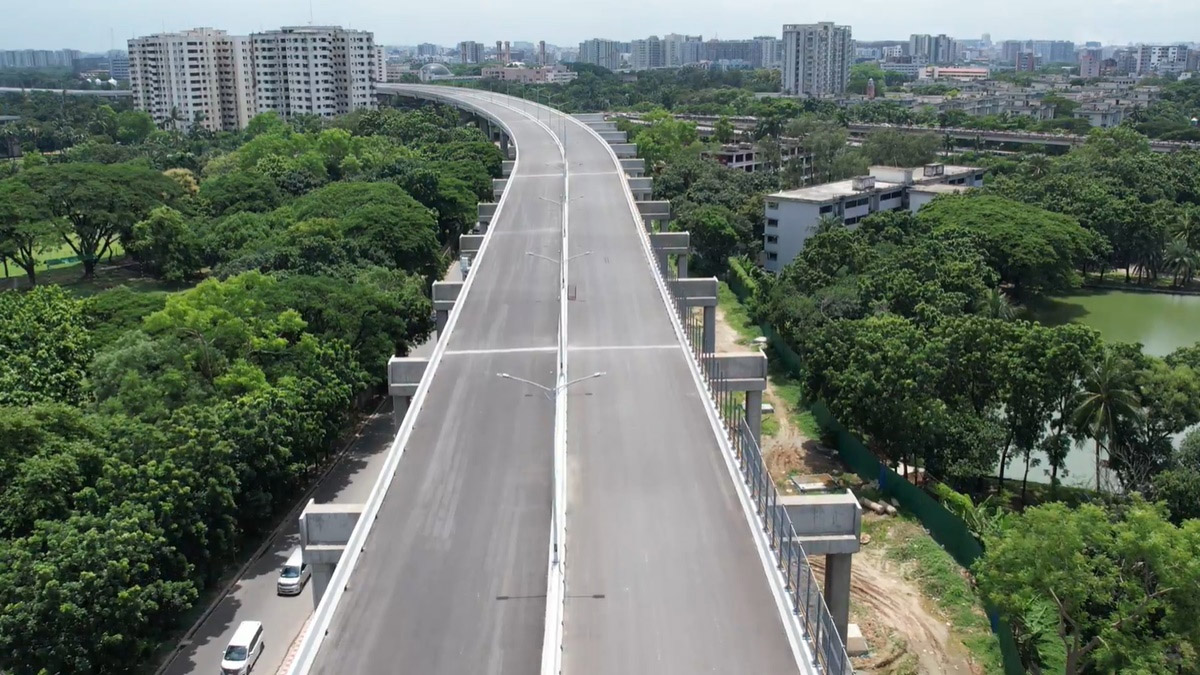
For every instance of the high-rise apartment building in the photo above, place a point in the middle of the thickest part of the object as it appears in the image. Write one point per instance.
(38, 58)
(1026, 62)
(766, 52)
(816, 58)
(936, 49)
(599, 52)
(680, 50)
(118, 65)
(646, 54)
(314, 70)
(470, 52)
(1089, 63)
(379, 69)
(1161, 59)
(732, 51)
(201, 76)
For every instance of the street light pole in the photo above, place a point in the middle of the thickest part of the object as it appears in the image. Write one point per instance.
(550, 392)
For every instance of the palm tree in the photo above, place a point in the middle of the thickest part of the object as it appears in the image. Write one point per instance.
(1181, 260)
(1038, 165)
(1106, 397)
(997, 305)
(828, 222)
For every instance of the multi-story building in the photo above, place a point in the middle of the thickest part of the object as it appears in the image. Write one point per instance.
(680, 50)
(748, 157)
(729, 51)
(1161, 59)
(379, 69)
(599, 52)
(794, 216)
(955, 73)
(539, 75)
(428, 49)
(1010, 50)
(201, 76)
(118, 65)
(646, 54)
(935, 49)
(38, 58)
(816, 59)
(1089, 63)
(314, 70)
(470, 52)
(1026, 62)
(766, 52)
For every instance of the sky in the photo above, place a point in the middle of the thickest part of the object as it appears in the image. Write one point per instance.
(96, 25)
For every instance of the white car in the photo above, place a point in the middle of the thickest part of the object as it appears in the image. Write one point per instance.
(294, 575)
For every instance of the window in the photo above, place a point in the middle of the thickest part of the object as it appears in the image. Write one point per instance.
(772, 256)
(773, 206)
(772, 239)
(827, 209)
(772, 222)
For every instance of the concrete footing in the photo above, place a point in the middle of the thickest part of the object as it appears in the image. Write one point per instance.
(324, 531)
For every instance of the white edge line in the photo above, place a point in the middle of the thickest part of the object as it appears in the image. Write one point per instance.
(323, 615)
(791, 622)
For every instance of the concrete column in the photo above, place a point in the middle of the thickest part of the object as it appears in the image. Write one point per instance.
(443, 316)
(837, 590)
(504, 145)
(710, 329)
(324, 531)
(399, 409)
(754, 415)
(660, 257)
(681, 261)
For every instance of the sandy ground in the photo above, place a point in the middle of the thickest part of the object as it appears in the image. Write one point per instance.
(904, 636)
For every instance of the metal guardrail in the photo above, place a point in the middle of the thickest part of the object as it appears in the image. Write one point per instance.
(801, 584)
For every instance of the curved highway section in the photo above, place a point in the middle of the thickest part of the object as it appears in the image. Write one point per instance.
(664, 573)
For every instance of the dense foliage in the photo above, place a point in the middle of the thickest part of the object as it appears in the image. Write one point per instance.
(148, 436)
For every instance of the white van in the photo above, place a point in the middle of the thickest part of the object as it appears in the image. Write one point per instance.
(244, 649)
(294, 575)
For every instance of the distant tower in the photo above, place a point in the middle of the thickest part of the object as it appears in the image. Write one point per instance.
(871, 89)
(541, 52)
(507, 53)
(500, 52)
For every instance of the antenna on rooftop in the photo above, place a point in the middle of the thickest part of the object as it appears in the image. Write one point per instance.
(310, 13)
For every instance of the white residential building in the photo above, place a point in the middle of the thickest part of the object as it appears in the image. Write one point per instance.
(793, 216)
(680, 50)
(816, 59)
(1161, 59)
(646, 54)
(200, 76)
(598, 52)
(314, 70)
(380, 70)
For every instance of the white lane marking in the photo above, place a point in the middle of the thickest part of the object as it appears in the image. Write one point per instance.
(509, 350)
(623, 348)
(536, 350)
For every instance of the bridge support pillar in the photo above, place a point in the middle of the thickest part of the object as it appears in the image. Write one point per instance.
(754, 415)
(445, 294)
(505, 147)
(700, 293)
(828, 521)
(324, 532)
(681, 262)
(404, 376)
(666, 244)
(837, 590)
(745, 372)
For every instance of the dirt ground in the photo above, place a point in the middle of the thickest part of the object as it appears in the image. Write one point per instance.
(903, 635)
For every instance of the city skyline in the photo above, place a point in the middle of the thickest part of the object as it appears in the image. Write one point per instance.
(100, 26)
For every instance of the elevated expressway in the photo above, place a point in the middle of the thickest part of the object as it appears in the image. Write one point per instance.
(455, 566)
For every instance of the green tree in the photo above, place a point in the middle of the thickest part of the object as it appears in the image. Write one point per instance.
(90, 594)
(165, 245)
(894, 148)
(46, 347)
(723, 131)
(26, 226)
(1107, 398)
(1122, 585)
(101, 202)
(1032, 249)
(240, 191)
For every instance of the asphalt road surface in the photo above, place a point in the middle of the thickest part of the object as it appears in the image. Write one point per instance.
(453, 576)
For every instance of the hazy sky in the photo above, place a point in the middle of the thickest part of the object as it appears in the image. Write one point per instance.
(99, 24)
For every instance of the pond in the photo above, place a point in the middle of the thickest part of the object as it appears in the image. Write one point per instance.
(1161, 322)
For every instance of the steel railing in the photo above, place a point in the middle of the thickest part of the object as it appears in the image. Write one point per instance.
(802, 587)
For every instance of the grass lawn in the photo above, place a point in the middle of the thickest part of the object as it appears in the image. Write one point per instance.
(57, 253)
(941, 580)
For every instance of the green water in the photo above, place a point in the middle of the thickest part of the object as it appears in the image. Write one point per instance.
(1160, 322)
